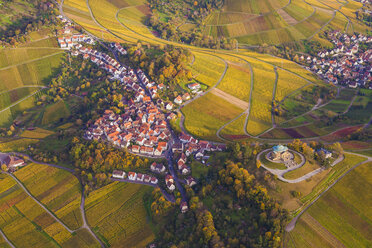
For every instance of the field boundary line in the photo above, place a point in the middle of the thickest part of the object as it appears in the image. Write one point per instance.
(82, 203)
(20, 87)
(29, 61)
(326, 235)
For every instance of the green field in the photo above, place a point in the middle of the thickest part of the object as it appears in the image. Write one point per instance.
(55, 112)
(340, 217)
(118, 215)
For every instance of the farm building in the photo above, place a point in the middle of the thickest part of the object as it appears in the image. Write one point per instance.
(10, 162)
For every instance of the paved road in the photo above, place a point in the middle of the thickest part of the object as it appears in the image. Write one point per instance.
(280, 173)
(292, 224)
(6, 239)
(200, 95)
(246, 112)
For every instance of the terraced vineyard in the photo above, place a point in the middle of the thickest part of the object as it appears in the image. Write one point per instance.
(118, 215)
(229, 72)
(275, 22)
(23, 74)
(341, 217)
(27, 224)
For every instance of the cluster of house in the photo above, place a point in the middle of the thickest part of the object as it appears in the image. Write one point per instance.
(181, 164)
(194, 87)
(169, 181)
(142, 129)
(189, 145)
(346, 64)
(119, 48)
(10, 162)
(69, 42)
(132, 176)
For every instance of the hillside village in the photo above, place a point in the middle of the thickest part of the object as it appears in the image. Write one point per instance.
(347, 64)
(142, 128)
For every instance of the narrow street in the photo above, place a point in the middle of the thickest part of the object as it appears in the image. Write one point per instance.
(173, 140)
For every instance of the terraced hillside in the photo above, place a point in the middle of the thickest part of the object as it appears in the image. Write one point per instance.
(23, 74)
(340, 218)
(242, 85)
(277, 21)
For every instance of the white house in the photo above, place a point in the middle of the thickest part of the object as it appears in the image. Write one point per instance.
(118, 174)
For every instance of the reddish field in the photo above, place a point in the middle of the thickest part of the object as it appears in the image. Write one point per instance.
(293, 133)
(144, 9)
(341, 133)
(306, 131)
(355, 145)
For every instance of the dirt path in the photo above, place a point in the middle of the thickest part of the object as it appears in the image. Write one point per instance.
(230, 98)
(321, 230)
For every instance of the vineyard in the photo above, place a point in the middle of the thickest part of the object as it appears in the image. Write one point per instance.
(204, 116)
(341, 217)
(37, 133)
(118, 215)
(26, 224)
(57, 189)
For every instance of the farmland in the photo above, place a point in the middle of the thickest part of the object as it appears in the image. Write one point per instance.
(26, 224)
(275, 22)
(24, 72)
(263, 85)
(117, 215)
(57, 189)
(204, 116)
(237, 80)
(16, 145)
(341, 216)
(37, 133)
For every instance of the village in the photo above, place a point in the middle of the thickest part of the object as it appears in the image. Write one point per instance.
(143, 126)
(347, 64)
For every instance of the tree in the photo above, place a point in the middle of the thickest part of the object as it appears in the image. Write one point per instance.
(4, 167)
